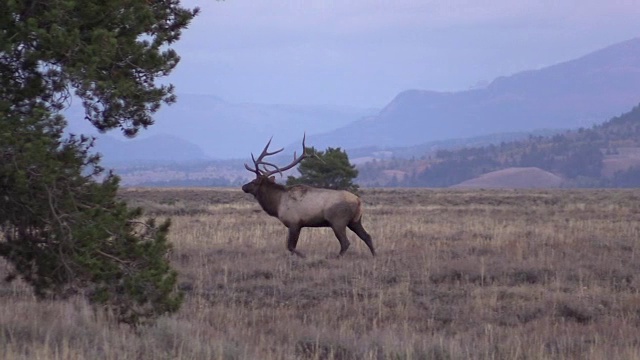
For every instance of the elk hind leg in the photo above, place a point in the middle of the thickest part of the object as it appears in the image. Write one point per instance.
(341, 234)
(357, 228)
(292, 241)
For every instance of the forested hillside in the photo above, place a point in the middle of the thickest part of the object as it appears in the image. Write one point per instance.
(606, 155)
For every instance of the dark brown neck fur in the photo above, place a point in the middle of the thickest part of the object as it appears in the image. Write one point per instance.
(268, 197)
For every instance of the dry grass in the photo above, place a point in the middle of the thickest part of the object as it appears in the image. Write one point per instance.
(460, 275)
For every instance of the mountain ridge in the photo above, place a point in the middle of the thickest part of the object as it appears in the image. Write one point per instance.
(570, 94)
(225, 130)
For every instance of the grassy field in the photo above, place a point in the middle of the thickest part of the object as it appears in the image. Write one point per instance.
(459, 275)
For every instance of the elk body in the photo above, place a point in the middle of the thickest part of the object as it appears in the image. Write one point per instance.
(302, 206)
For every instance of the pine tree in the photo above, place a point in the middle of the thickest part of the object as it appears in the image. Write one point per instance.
(330, 169)
(61, 226)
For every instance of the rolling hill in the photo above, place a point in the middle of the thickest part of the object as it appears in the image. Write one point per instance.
(513, 178)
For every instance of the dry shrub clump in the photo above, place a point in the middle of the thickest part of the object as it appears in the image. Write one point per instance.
(460, 274)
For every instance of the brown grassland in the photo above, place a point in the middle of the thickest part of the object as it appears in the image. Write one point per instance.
(465, 274)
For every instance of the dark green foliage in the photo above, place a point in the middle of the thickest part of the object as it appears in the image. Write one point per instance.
(330, 169)
(629, 178)
(66, 233)
(584, 160)
(455, 171)
(61, 226)
(109, 53)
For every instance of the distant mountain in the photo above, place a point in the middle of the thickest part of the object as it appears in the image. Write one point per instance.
(153, 149)
(568, 95)
(233, 130)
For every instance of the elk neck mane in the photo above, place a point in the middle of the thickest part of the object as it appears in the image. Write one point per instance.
(269, 196)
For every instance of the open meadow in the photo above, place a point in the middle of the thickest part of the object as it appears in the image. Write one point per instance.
(464, 274)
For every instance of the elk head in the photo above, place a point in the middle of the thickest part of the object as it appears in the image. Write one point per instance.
(263, 174)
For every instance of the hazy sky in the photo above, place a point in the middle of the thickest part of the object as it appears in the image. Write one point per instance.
(364, 52)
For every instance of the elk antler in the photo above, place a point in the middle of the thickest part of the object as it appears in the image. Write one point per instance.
(265, 152)
(258, 162)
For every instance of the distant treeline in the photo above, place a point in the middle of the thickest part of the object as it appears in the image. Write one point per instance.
(575, 155)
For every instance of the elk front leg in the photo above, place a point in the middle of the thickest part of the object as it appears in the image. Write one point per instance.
(292, 240)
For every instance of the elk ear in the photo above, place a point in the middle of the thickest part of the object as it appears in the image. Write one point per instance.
(272, 178)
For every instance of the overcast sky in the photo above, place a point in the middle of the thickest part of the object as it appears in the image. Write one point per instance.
(364, 52)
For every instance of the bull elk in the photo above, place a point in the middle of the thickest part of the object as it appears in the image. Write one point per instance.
(302, 206)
